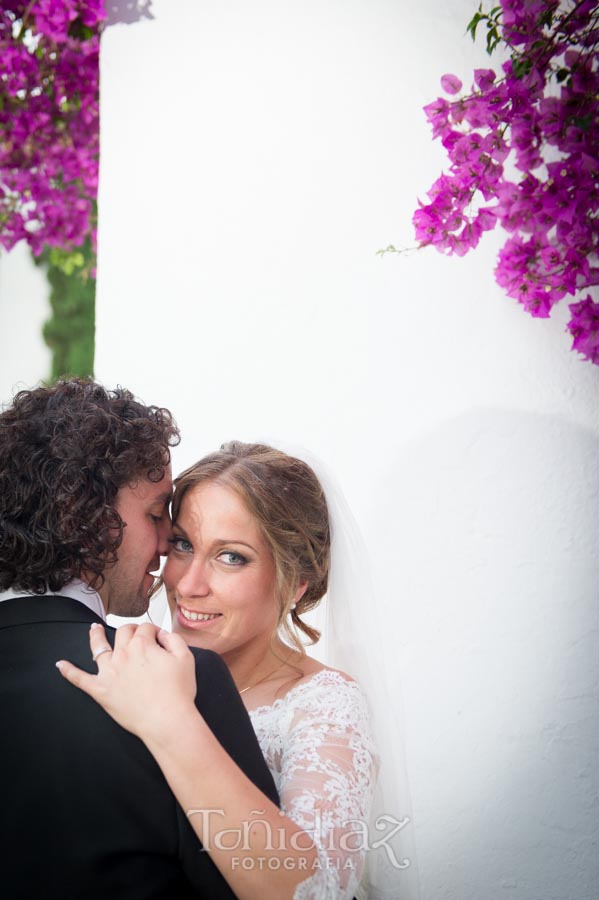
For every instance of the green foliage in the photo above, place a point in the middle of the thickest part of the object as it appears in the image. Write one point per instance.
(70, 331)
(492, 20)
(68, 261)
(390, 249)
(521, 66)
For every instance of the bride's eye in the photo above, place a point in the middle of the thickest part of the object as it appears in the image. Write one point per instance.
(180, 544)
(230, 558)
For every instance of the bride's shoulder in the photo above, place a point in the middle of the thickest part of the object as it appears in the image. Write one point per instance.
(327, 699)
(314, 676)
(312, 667)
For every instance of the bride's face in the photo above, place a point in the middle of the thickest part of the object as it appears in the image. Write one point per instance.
(220, 574)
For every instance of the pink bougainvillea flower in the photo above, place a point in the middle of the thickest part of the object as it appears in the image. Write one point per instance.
(584, 327)
(451, 84)
(496, 146)
(484, 78)
(53, 18)
(526, 142)
(438, 115)
(49, 144)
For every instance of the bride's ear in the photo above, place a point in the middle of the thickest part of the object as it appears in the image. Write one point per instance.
(303, 587)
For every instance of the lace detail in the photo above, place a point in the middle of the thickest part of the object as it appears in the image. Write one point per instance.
(317, 743)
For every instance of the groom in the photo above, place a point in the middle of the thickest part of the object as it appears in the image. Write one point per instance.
(85, 486)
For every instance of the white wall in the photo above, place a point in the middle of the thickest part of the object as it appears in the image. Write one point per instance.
(24, 307)
(254, 158)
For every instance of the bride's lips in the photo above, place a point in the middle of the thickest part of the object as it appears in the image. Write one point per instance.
(195, 624)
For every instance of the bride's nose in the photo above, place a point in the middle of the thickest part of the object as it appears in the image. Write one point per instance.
(194, 582)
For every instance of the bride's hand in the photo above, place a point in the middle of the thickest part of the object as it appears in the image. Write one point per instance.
(147, 683)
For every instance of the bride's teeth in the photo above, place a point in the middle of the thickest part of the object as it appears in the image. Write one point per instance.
(202, 617)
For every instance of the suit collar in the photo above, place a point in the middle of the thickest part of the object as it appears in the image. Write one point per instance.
(77, 589)
(30, 610)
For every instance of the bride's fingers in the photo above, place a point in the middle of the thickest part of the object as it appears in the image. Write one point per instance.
(101, 651)
(148, 631)
(124, 634)
(174, 643)
(98, 644)
(81, 679)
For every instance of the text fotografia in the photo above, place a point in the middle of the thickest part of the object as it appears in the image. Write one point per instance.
(354, 836)
(274, 863)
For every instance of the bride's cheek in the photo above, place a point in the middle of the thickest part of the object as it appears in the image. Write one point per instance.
(169, 576)
(170, 597)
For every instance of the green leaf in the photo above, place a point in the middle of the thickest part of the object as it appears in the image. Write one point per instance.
(66, 260)
(562, 74)
(493, 37)
(521, 66)
(584, 123)
(472, 25)
(79, 31)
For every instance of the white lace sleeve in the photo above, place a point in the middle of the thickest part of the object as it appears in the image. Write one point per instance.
(318, 744)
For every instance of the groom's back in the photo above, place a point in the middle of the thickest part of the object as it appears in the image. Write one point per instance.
(85, 810)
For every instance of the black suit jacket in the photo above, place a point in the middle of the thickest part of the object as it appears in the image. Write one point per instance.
(85, 813)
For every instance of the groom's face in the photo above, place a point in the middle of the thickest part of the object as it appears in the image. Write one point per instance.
(144, 508)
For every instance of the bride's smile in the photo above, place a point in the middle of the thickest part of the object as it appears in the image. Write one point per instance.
(196, 616)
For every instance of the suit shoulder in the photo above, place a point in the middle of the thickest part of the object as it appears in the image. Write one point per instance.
(209, 661)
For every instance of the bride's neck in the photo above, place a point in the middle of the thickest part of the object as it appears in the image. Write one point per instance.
(254, 665)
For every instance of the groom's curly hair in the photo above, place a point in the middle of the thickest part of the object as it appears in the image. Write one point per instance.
(65, 451)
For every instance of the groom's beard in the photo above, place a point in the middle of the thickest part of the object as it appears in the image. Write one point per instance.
(123, 593)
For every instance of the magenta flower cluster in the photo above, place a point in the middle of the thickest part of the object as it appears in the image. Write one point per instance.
(523, 147)
(49, 121)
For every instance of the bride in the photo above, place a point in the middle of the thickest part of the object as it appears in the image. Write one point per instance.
(250, 554)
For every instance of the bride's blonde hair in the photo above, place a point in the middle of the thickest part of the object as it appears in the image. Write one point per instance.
(288, 502)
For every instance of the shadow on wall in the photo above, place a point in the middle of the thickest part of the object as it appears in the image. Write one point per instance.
(487, 566)
(127, 12)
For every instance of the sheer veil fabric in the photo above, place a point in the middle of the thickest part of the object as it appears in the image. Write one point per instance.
(356, 641)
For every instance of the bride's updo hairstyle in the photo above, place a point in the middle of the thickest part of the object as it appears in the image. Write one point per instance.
(286, 499)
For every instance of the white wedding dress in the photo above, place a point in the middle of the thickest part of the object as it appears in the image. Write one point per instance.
(317, 743)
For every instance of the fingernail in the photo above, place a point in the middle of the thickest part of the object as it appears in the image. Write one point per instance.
(59, 665)
(94, 625)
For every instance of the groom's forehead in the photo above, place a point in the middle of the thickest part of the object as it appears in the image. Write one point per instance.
(146, 493)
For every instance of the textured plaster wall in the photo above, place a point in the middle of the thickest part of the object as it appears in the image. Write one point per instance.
(254, 158)
(24, 307)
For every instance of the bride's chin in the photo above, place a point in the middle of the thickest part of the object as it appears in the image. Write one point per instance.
(191, 638)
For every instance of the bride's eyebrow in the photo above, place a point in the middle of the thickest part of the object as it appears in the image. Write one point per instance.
(221, 542)
(179, 528)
